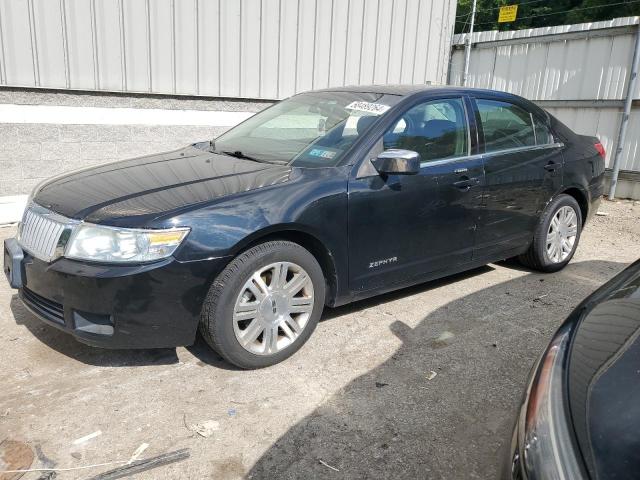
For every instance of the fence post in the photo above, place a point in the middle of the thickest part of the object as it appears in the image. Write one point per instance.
(467, 49)
(624, 123)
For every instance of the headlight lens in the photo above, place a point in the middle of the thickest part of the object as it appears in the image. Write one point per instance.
(546, 439)
(121, 245)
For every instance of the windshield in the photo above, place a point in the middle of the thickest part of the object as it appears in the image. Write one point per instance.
(311, 129)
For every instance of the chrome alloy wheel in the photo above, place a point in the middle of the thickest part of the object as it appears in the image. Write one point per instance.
(562, 234)
(273, 308)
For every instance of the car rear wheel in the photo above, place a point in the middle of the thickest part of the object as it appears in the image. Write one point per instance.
(265, 304)
(556, 236)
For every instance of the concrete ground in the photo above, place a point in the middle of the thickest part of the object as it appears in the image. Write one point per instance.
(360, 396)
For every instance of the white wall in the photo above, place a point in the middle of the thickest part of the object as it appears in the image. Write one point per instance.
(266, 49)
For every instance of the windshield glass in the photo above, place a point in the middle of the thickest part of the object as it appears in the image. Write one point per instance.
(310, 129)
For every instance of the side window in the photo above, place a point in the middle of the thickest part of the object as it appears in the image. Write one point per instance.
(436, 130)
(505, 125)
(543, 135)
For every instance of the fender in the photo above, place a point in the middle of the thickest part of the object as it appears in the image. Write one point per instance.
(314, 215)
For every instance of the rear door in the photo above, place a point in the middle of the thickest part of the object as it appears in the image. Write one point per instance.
(402, 227)
(523, 170)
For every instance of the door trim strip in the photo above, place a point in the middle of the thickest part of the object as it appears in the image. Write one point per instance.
(444, 161)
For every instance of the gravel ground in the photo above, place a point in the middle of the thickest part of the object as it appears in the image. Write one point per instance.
(358, 401)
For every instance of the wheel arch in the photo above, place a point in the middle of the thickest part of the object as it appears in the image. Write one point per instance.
(581, 197)
(306, 239)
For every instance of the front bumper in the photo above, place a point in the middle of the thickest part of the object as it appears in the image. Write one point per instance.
(513, 468)
(114, 306)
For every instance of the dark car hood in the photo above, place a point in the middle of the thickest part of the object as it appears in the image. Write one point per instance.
(604, 378)
(143, 188)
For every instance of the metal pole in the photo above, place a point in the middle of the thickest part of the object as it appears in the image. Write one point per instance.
(467, 48)
(624, 123)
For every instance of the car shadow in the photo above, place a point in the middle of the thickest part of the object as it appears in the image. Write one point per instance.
(67, 345)
(331, 313)
(443, 405)
(207, 356)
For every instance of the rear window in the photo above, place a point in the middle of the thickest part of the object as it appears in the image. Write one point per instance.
(505, 125)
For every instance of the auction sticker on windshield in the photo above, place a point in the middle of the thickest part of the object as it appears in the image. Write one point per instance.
(373, 108)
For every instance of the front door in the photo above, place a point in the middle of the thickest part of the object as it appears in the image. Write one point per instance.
(403, 227)
(523, 170)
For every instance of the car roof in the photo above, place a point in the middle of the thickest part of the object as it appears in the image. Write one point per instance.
(406, 90)
(384, 89)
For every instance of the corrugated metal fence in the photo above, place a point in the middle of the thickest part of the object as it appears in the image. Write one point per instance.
(226, 48)
(579, 73)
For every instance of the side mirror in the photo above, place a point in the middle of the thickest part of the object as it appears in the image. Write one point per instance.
(397, 162)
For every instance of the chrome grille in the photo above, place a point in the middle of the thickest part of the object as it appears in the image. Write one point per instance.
(40, 231)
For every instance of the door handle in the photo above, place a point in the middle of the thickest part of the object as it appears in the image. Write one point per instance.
(466, 183)
(550, 167)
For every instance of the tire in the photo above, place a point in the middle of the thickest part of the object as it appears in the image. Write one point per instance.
(257, 284)
(538, 256)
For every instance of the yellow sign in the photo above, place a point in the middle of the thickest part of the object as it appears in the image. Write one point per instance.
(507, 13)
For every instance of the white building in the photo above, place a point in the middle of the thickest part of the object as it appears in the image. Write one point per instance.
(90, 81)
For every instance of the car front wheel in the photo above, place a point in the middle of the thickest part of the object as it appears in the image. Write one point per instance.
(556, 236)
(265, 304)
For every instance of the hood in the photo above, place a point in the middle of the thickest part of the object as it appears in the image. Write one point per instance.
(604, 378)
(147, 187)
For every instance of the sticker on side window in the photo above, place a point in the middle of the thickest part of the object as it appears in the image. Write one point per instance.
(372, 108)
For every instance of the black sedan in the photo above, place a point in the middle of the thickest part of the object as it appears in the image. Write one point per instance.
(322, 199)
(581, 414)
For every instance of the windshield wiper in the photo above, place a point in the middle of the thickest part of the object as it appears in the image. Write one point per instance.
(239, 154)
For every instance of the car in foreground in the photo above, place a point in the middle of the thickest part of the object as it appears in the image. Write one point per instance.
(581, 412)
(322, 199)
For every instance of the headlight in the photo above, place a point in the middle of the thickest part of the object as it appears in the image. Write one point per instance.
(120, 245)
(547, 444)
